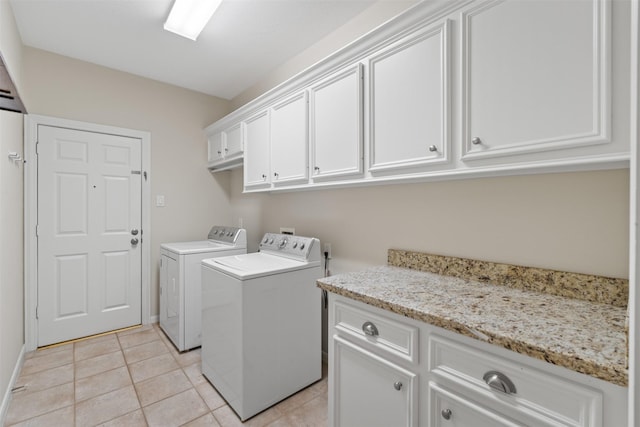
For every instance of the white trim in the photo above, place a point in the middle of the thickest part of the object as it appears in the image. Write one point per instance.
(31, 123)
(633, 412)
(6, 399)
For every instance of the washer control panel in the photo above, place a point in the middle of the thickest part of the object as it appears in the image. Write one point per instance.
(290, 246)
(224, 234)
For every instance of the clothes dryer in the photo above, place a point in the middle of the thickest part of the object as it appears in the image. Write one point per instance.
(261, 327)
(180, 282)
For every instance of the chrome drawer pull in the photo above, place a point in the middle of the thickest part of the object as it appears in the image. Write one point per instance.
(369, 329)
(397, 385)
(499, 382)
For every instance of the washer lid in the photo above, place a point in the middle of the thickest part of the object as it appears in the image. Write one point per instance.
(185, 248)
(256, 264)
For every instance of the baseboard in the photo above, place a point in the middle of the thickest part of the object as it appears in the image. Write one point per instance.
(6, 399)
(153, 319)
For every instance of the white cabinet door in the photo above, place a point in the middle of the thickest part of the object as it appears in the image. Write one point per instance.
(290, 140)
(257, 151)
(369, 390)
(233, 140)
(408, 108)
(216, 147)
(535, 76)
(451, 410)
(336, 124)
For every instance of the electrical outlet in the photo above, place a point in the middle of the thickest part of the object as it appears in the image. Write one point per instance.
(327, 249)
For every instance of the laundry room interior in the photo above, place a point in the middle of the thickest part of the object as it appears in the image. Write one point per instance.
(565, 217)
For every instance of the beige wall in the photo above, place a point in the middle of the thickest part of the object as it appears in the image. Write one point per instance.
(11, 249)
(11, 44)
(11, 216)
(572, 221)
(195, 200)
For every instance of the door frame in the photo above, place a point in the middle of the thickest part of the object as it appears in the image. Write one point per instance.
(31, 123)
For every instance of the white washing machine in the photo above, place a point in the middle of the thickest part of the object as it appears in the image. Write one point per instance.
(181, 278)
(261, 328)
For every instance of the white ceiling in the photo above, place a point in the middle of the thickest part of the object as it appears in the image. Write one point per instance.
(244, 40)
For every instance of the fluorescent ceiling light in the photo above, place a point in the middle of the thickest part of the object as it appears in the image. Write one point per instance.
(188, 17)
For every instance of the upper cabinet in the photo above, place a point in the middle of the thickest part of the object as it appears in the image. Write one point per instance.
(225, 147)
(448, 89)
(257, 165)
(535, 76)
(408, 101)
(336, 124)
(289, 140)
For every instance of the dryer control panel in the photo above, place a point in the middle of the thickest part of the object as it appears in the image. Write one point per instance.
(227, 234)
(297, 247)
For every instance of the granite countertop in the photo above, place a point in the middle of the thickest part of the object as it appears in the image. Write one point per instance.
(584, 336)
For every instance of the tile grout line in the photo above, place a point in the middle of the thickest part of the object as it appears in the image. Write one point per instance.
(133, 384)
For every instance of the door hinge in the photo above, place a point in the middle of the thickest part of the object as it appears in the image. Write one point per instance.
(37, 312)
(37, 143)
(37, 229)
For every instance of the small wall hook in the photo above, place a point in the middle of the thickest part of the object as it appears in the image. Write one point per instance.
(15, 157)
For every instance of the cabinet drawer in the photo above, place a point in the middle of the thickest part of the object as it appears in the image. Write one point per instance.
(453, 410)
(385, 334)
(561, 401)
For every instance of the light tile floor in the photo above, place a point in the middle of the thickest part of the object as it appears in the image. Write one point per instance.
(138, 378)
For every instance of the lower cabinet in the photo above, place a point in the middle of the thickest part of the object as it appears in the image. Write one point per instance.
(372, 390)
(390, 370)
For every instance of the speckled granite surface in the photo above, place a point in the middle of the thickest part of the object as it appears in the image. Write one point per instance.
(580, 335)
(573, 285)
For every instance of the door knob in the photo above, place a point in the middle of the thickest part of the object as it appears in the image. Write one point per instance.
(446, 414)
(134, 241)
(134, 232)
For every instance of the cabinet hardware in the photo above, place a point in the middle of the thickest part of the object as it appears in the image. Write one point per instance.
(476, 141)
(134, 241)
(446, 414)
(397, 385)
(264, 177)
(369, 329)
(499, 382)
(433, 148)
(134, 232)
(275, 174)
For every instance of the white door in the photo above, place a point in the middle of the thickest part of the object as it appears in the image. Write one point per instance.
(89, 217)
(257, 149)
(290, 140)
(336, 124)
(371, 391)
